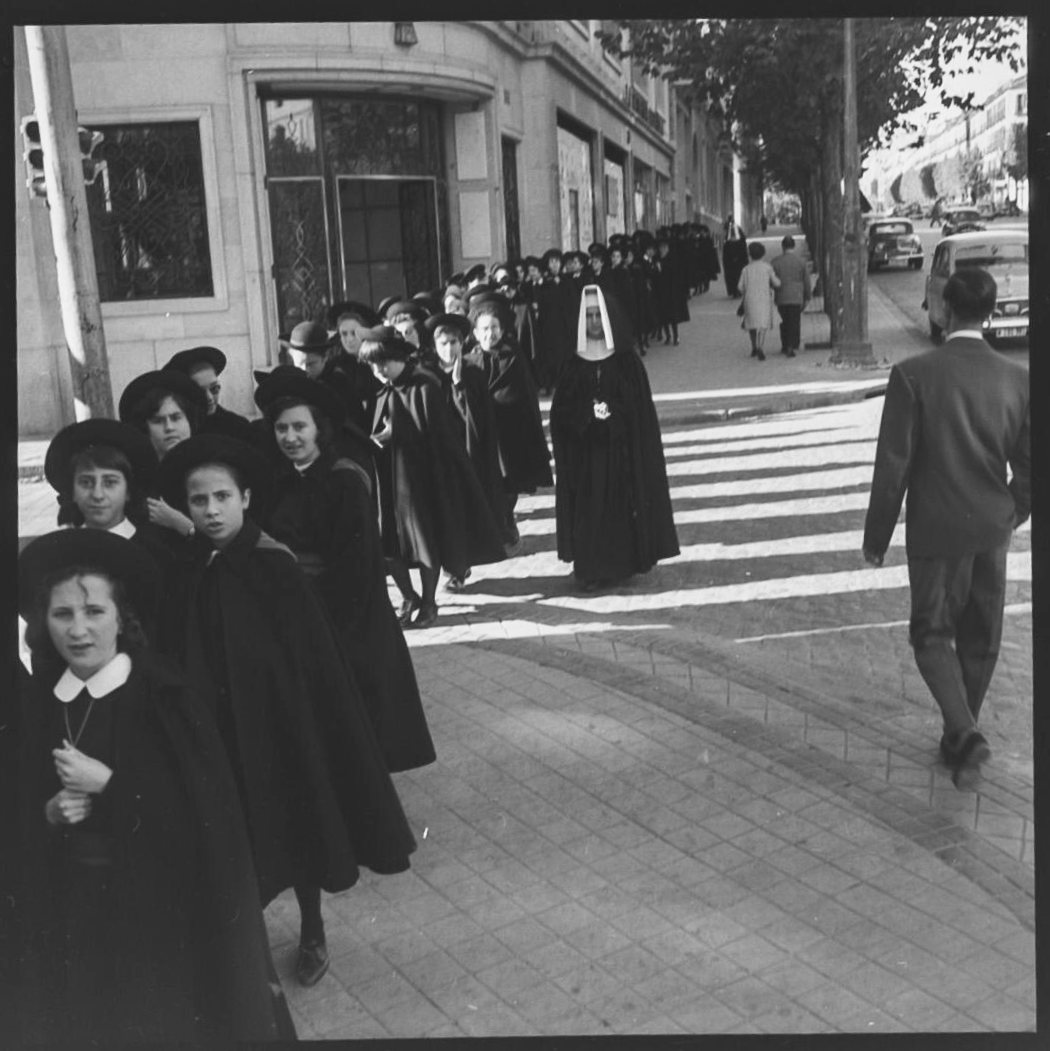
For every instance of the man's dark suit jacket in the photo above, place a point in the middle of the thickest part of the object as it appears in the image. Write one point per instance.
(954, 418)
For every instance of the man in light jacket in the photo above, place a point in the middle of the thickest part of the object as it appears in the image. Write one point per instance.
(792, 295)
(954, 418)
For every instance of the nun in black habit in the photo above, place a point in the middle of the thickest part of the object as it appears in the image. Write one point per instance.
(320, 505)
(244, 622)
(612, 504)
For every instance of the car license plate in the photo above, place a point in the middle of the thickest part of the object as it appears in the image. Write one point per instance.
(1006, 333)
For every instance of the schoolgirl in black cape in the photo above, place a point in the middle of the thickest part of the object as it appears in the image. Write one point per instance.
(244, 622)
(204, 365)
(141, 915)
(320, 505)
(612, 504)
(523, 452)
(433, 512)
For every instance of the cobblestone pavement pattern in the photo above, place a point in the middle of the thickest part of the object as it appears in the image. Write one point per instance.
(709, 801)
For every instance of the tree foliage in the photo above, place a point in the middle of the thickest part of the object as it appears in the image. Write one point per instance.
(778, 83)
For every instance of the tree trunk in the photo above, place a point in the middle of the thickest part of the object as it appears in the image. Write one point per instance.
(831, 193)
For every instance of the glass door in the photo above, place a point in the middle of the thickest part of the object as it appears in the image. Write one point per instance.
(388, 231)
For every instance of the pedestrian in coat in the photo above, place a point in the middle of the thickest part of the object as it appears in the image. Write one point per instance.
(708, 253)
(244, 622)
(142, 919)
(433, 512)
(792, 295)
(204, 365)
(168, 407)
(668, 284)
(320, 506)
(554, 317)
(734, 256)
(523, 452)
(954, 418)
(472, 409)
(101, 470)
(757, 283)
(612, 502)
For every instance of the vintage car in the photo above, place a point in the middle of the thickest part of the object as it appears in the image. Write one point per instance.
(960, 221)
(893, 241)
(1004, 254)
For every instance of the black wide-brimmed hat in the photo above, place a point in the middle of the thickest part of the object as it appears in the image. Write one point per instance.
(188, 360)
(278, 370)
(58, 467)
(473, 273)
(459, 322)
(309, 337)
(168, 380)
(109, 553)
(202, 449)
(384, 305)
(413, 308)
(351, 306)
(429, 301)
(298, 385)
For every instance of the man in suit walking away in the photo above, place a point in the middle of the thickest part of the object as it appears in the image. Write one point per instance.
(792, 295)
(954, 418)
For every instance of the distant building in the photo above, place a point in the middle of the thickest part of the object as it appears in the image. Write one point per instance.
(989, 133)
(258, 172)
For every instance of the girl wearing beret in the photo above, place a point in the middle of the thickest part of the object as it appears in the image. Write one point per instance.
(142, 916)
(248, 627)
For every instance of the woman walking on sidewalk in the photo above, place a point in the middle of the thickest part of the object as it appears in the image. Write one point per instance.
(757, 283)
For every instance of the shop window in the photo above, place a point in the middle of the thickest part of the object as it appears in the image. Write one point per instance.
(148, 213)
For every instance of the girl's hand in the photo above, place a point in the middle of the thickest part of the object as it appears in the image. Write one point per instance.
(79, 772)
(163, 514)
(384, 436)
(67, 807)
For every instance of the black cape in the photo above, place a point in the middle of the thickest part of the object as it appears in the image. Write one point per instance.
(188, 947)
(612, 504)
(474, 419)
(326, 516)
(248, 627)
(525, 459)
(230, 424)
(432, 508)
(557, 303)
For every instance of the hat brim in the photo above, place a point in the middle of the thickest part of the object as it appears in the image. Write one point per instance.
(352, 306)
(168, 380)
(457, 321)
(203, 449)
(312, 392)
(98, 432)
(186, 361)
(109, 553)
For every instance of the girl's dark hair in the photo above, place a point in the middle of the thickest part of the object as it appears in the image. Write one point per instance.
(351, 314)
(487, 308)
(374, 352)
(234, 473)
(325, 430)
(38, 638)
(756, 250)
(101, 458)
(150, 402)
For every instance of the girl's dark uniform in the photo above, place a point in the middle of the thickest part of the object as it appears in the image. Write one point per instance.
(325, 514)
(319, 802)
(432, 508)
(612, 504)
(142, 922)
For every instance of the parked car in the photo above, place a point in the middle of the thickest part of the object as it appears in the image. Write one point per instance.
(961, 220)
(893, 241)
(1004, 254)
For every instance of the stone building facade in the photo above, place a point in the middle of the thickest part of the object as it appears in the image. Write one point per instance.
(257, 172)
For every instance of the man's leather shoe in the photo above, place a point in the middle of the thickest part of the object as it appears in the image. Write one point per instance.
(312, 964)
(426, 618)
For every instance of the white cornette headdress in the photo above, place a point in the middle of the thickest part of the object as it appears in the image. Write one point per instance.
(581, 328)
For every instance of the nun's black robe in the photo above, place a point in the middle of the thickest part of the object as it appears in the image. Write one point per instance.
(432, 508)
(325, 514)
(166, 941)
(612, 504)
(247, 626)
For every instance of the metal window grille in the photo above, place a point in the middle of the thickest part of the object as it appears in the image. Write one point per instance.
(147, 210)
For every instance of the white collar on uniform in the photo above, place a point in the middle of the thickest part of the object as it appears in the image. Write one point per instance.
(964, 333)
(125, 527)
(104, 681)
